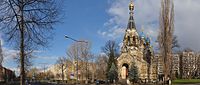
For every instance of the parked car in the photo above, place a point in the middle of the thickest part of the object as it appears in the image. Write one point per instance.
(100, 82)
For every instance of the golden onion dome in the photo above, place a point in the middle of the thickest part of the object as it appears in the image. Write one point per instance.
(131, 6)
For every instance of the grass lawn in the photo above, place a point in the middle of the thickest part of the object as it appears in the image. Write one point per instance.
(186, 81)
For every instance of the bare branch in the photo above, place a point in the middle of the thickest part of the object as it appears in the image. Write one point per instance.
(165, 37)
(28, 25)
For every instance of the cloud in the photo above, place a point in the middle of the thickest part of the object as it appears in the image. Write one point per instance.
(48, 57)
(8, 55)
(8, 61)
(187, 23)
(113, 33)
(38, 61)
(146, 14)
(115, 26)
(119, 14)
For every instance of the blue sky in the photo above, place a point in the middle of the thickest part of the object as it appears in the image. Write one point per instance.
(100, 20)
(82, 20)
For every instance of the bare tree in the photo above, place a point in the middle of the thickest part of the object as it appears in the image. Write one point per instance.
(165, 36)
(175, 43)
(28, 24)
(73, 52)
(80, 54)
(61, 62)
(86, 56)
(111, 50)
(101, 62)
(93, 67)
(28, 58)
(50, 75)
(73, 55)
(33, 72)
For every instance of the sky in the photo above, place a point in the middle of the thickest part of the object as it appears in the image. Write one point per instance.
(98, 21)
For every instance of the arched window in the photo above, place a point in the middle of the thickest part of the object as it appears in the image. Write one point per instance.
(134, 40)
(129, 40)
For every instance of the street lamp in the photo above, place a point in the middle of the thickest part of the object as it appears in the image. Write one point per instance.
(67, 37)
(80, 41)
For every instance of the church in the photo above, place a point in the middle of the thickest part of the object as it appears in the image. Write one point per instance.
(136, 50)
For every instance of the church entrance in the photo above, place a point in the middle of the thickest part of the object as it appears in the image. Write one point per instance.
(124, 73)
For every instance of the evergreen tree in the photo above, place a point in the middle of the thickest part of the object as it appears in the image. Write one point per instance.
(111, 50)
(112, 74)
(176, 75)
(133, 73)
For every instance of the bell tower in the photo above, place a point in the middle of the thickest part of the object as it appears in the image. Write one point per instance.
(133, 52)
(131, 37)
(130, 51)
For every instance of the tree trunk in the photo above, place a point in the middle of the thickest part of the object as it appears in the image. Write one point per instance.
(86, 77)
(62, 73)
(22, 53)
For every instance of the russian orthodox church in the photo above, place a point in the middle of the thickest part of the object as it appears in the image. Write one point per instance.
(136, 49)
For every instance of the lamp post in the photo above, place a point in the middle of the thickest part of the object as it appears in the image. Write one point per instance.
(80, 41)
